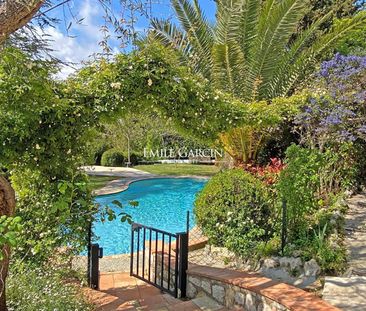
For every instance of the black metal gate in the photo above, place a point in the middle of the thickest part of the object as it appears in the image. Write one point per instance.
(160, 258)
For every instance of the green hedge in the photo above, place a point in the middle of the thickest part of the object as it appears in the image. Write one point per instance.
(113, 157)
(235, 210)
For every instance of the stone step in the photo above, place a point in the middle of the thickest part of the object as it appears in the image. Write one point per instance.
(207, 303)
(347, 294)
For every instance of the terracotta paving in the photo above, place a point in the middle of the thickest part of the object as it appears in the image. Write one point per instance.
(119, 291)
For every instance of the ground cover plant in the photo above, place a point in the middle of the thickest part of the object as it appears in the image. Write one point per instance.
(45, 288)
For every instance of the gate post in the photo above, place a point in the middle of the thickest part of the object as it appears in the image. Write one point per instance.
(95, 253)
(183, 263)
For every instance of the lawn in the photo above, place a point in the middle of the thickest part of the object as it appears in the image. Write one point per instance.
(97, 182)
(179, 169)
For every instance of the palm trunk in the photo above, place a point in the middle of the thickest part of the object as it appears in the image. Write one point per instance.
(7, 207)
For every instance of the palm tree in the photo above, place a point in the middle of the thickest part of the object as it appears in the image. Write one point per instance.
(251, 50)
(254, 51)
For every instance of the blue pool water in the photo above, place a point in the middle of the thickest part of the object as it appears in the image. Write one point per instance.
(163, 204)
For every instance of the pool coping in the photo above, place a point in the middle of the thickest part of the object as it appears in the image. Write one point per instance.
(122, 185)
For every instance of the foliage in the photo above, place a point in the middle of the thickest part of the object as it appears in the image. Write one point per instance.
(9, 231)
(150, 80)
(235, 210)
(135, 132)
(135, 158)
(344, 78)
(97, 148)
(335, 113)
(43, 134)
(268, 173)
(250, 51)
(340, 9)
(245, 143)
(299, 185)
(256, 51)
(112, 157)
(54, 214)
(43, 288)
(309, 183)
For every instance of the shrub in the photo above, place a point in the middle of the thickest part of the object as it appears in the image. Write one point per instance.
(113, 157)
(234, 210)
(134, 158)
(299, 185)
(34, 289)
(98, 153)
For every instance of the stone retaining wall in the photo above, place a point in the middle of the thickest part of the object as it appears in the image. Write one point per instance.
(250, 291)
(230, 295)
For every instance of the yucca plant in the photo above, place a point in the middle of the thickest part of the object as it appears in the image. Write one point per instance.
(253, 51)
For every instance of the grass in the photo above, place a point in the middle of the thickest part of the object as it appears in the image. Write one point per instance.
(179, 169)
(97, 182)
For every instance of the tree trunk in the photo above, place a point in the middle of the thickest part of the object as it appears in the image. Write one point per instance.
(7, 207)
(14, 14)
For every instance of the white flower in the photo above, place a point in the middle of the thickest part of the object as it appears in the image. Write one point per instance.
(149, 82)
(38, 147)
(69, 151)
(116, 85)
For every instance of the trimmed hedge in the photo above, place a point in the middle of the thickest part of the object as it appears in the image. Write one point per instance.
(113, 157)
(234, 210)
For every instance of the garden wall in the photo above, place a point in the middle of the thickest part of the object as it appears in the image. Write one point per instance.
(250, 291)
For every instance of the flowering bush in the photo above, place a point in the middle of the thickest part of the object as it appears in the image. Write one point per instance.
(345, 78)
(336, 113)
(235, 210)
(268, 173)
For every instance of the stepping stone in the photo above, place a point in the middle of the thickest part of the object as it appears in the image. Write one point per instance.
(206, 303)
(347, 294)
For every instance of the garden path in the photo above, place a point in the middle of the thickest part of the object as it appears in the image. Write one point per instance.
(128, 174)
(349, 292)
(119, 291)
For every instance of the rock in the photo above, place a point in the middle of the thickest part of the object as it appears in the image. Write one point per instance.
(311, 268)
(191, 290)
(195, 281)
(218, 292)
(269, 263)
(229, 297)
(206, 286)
(291, 262)
(239, 299)
(250, 303)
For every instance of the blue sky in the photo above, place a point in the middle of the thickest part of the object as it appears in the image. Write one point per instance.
(82, 40)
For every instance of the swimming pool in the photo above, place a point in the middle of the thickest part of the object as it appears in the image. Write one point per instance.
(163, 204)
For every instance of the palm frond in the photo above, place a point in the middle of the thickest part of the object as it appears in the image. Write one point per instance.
(321, 46)
(274, 33)
(283, 70)
(227, 73)
(198, 31)
(169, 34)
